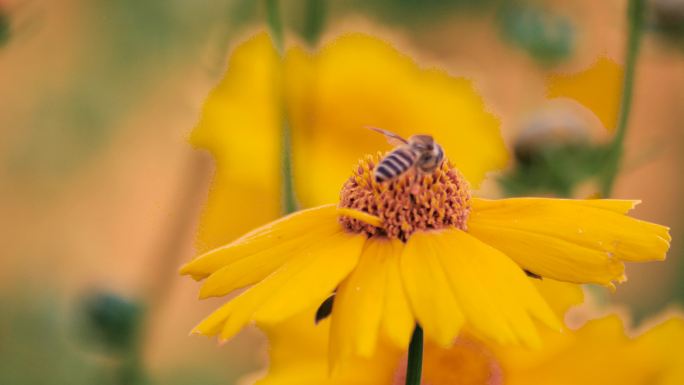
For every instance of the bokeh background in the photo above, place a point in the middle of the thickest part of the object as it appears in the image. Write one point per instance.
(100, 192)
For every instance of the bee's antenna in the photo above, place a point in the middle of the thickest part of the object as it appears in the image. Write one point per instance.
(376, 129)
(393, 138)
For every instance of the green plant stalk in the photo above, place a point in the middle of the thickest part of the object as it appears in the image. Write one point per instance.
(635, 17)
(289, 201)
(414, 367)
(275, 25)
(316, 14)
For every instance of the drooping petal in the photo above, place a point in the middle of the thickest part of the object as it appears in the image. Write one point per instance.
(428, 290)
(397, 319)
(363, 298)
(569, 240)
(498, 300)
(357, 311)
(300, 283)
(290, 232)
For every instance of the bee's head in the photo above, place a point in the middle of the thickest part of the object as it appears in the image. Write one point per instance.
(422, 143)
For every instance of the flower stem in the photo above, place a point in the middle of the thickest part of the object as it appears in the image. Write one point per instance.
(275, 24)
(635, 17)
(289, 201)
(316, 12)
(414, 368)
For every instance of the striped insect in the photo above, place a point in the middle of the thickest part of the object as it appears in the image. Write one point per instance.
(419, 151)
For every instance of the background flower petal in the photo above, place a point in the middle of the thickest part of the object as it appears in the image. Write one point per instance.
(599, 88)
(240, 126)
(600, 352)
(298, 352)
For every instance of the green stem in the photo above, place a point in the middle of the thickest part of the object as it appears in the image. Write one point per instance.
(635, 16)
(289, 201)
(275, 24)
(316, 13)
(414, 367)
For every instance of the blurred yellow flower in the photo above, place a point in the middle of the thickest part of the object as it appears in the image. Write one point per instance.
(597, 353)
(416, 249)
(598, 88)
(359, 81)
(600, 353)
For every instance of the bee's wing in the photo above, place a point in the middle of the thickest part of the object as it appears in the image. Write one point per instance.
(392, 138)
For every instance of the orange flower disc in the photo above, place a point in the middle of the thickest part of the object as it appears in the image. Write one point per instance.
(408, 203)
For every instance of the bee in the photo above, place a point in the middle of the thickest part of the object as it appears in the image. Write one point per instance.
(419, 151)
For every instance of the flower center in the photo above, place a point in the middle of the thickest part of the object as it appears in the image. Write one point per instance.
(410, 202)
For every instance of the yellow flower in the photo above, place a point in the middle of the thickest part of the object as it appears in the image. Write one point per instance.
(416, 249)
(598, 353)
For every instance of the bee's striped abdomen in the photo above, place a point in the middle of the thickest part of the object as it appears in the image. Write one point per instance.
(394, 164)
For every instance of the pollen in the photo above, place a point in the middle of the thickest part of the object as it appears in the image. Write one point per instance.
(411, 202)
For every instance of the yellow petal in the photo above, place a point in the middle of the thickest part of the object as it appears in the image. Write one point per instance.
(662, 342)
(360, 301)
(360, 215)
(212, 325)
(377, 85)
(620, 206)
(428, 290)
(293, 228)
(255, 267)
(298, 284)
(569, 240)
(494, 293)
(245, 143)
(598, 88)
(328, 265)
(397, 320)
